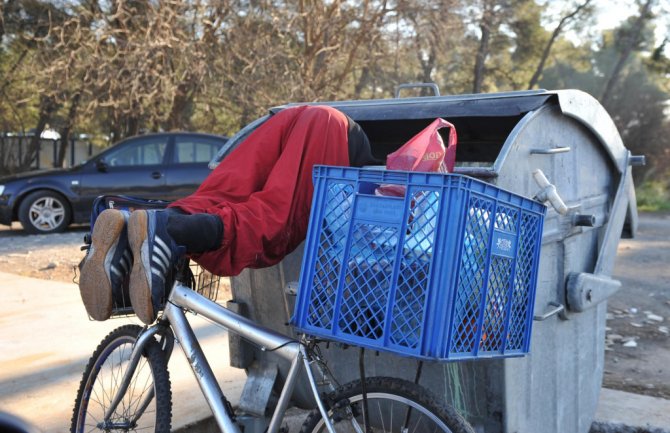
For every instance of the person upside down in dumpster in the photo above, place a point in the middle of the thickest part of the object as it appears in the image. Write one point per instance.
(250, 212)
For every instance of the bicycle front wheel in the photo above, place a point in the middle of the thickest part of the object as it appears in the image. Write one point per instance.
(146, 405)
(394, 406)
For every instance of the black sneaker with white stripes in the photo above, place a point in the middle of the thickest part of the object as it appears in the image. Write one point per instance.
(155, 253)
(106, 266)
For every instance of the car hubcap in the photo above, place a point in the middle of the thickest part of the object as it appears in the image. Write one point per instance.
(47, 213)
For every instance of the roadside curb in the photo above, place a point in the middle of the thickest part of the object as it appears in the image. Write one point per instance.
(606, 427)
(625, 412)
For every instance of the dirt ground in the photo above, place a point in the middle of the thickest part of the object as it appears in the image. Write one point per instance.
(638, 339)
(50, 257)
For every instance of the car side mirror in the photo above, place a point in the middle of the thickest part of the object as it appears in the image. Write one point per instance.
(101, 165)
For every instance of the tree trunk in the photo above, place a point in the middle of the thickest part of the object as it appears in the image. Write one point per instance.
(480, 60)
(47, 107)
(180, 112)
(633, 40)
(362, 82)
(547, 49)
(67, 129)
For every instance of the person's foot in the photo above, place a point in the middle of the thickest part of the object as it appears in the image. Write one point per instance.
(155, 253)
(106, 265)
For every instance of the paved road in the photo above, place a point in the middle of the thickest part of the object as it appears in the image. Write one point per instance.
(46, 340)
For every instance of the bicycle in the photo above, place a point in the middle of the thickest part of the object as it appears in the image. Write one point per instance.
(447, 272)
(126, 385)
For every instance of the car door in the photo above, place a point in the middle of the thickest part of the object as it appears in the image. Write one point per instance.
(135, 168)
(188, 163)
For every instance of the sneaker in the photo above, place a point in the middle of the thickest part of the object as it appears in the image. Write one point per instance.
(107, 264)
(155, 253)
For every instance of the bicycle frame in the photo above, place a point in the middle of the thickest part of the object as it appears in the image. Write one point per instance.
(174, 318)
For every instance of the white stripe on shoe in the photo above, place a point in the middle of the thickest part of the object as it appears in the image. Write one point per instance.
(123, 265)
(116, 271)
(160, 258)
(158, 273)
(127, 260)
(156, 259)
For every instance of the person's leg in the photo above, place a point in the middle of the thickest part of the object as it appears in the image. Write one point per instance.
(273, 221)
(247, 168)
(258, 231)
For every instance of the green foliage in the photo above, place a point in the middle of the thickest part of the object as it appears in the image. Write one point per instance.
(653, 196)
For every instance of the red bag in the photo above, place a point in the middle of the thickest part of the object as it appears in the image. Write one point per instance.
(423, 152)
(426, 151)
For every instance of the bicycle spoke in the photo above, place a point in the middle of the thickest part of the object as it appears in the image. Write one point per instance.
(119, 378)
(148, 385)
(381, 416)
(417, 425)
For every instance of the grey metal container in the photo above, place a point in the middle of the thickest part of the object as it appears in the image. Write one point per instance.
(503, 139)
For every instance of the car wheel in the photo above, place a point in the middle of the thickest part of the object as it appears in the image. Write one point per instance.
(44, 212)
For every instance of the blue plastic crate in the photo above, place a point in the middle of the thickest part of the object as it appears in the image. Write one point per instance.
(447, 272)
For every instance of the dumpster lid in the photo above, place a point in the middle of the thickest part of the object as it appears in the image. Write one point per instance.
(473, 105)
(501, 105)
(573, 103)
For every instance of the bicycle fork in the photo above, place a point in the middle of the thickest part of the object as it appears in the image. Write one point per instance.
(142, 340)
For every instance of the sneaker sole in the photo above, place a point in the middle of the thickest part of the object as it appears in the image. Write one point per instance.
(95, 285)
(140, 287)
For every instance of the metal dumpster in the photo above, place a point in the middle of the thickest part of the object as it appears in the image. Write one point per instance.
(504, 139)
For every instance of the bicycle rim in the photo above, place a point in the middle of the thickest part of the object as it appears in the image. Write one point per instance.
(140, 409)
(387, 414)
(394, 406)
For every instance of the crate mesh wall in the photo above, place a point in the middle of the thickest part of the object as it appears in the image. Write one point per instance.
(412, 286)
(493, 327)
(334, 228)
(522, 281)
(368, 282)
(471, 275)
(493, 336)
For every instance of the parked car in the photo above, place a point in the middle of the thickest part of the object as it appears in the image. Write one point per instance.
(163, 166)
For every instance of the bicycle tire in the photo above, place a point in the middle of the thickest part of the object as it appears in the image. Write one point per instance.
(97, 387)
(385, 397)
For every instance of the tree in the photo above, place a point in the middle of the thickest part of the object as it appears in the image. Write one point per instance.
(628, 40)
(492, 14)
(29, 23)
(582, 8)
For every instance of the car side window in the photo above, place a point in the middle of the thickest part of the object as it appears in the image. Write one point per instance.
(195, 149)
(149, 151)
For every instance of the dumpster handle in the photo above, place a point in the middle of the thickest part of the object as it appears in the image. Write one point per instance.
(433, 86)
(559, 309)
(550, 151)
